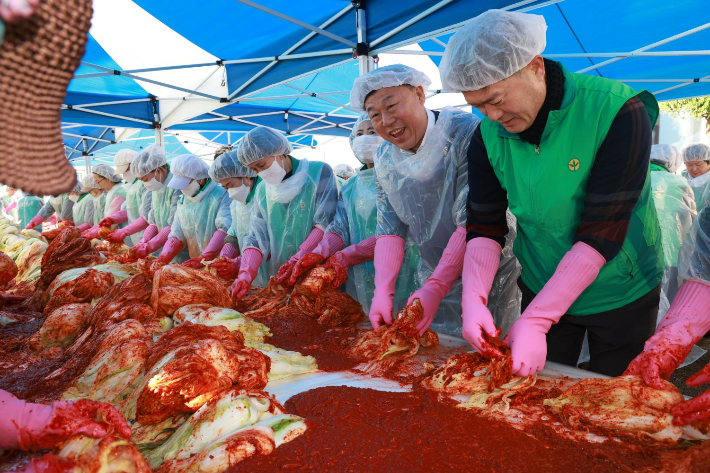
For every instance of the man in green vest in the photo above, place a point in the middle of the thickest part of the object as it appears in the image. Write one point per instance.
(569, 155)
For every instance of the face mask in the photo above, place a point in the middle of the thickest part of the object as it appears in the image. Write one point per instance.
(365, 146)
(239, 193)
(55, 201)
(129, 177)
(74, 198)
(191, 189)
(154, 185)
(274, 174)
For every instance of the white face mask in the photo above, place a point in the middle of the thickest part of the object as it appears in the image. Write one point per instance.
(274, 174)
(191, 189)
(154, 185)
(55, 201)
(239, 193)
(74, 198)
(129, 177)
(365, 146)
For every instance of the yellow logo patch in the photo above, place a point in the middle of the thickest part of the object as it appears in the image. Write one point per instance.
(573, 165)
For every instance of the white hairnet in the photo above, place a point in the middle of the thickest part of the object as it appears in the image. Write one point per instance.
(388, 76)
(363, 118)
(667, 156)
(491, 47)
(227, 165)
(148, 161)
(78, 187)
(88, 183)
(261, 143)
(189, 165)
(104, 170)
(696, 152)
(344, 171)
(123, 159)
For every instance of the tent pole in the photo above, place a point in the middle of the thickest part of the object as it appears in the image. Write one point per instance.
(159, 136)
(702, 79)
(364, 60)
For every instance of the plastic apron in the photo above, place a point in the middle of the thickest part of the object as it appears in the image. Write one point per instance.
(99, 208)
(355, 221)
(117, 190)
(83, 210)
(196, 222)
(281, 221)
(701, 188)
(422, 198)
(27, 208)
(134, 200)
(241, 220)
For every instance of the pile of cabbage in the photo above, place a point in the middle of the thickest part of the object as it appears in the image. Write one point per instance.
(25, 247)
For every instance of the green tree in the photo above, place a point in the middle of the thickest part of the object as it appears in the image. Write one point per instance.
(698, 107)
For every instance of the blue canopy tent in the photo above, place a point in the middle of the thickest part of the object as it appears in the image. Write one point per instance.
(658, 46)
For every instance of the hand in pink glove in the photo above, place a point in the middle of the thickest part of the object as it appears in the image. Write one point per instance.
(527, 337)
(687, 320)
(83, 227)
(36, 220)
(37, 426)
(194, 263)
(442, 279)
(116, 236)
(150, 232)
(330, 243)
(106, 222)
(697, 408)
(284, 273)
(226, 268)
(339, 262)
(479, 269)
(159, 240)
(250, 262)
(214, 246)
(170, 250)
(389, 254)
(141, 250)
(91, 233)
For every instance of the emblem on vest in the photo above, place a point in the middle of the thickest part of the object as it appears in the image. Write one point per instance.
(573, 165)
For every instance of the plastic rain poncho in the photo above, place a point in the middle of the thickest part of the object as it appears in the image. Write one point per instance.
(422, 197)
(110, 207)
(285, 214)
(27, 208)
(694, 257)
(137, 204)
(241, 222)
(675, 205)
(83, 210)
(61, 205)
(356, 220)
(491, 47)
(99, 208)
(196, 221)
(163, 205)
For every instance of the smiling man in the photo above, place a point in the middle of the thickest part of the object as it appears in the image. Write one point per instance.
(569, 154)
(421, 182)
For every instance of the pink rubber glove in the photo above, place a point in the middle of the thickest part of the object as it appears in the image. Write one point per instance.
(91, 233)
(479, 269)
(697, 408)
(251, 260)
(216, 243)
(12, 11)
(30, 426)
(389, 254)
(84, 226)
(158, 240)
(687, 320)
(194, 263)
(228, 268)
(342, 260)
(10, 207)
(229, 251)
(36, 220)
(330, 243)
(150, 232)
(527, 337)
(170, 250)
(438, 285)
(114, 219)
(309, 244)
(123, 233)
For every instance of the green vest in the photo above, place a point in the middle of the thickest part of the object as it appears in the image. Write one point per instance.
(546, 188)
